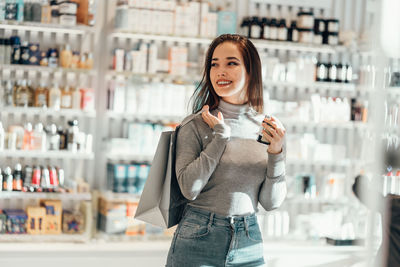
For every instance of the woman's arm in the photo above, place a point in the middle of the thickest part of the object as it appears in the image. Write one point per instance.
(195, 166)
(273, 190)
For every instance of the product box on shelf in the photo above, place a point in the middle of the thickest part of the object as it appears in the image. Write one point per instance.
(73, 222)
(53, 216)
(36, 220)
(16, 221)
(116, 177)
(112, 216)
(226, 22)
(134, 227)
(3, 219)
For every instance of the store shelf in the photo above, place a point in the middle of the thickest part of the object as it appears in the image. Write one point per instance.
(290, 123)
(165, 119)
(187, 79)
(347, 87)
(260, 44)
(48, 111)
(130, 157)
(44, 238)
(41, 27)
(120, 196)
(300, 47)
(36, 195)
(45, 155)
(162, 38)
(335, 163)
(41, 69)
(318, 200)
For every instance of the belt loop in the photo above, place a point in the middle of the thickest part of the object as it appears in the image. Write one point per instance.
(211, 220)
(246, 224)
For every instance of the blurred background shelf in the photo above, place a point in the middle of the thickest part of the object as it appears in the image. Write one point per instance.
(36, 195)
(45, 155)
(48, 111)
(42, 27)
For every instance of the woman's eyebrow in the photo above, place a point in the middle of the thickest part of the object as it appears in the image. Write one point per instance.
(228, 58)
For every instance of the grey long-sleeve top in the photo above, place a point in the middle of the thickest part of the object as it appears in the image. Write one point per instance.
(225, 170)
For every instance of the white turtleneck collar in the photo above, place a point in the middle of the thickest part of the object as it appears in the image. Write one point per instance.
(233, 111)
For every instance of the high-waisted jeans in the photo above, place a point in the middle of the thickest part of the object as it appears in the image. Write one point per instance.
(204, 238)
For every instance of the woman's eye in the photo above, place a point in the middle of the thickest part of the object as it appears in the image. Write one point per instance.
(213, 64)
(232, 64)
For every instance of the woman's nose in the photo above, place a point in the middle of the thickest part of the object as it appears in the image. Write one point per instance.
(221, 74)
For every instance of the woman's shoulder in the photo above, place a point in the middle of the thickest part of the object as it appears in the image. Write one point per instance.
(195, 120)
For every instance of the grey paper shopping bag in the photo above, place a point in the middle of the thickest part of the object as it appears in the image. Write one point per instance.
(162, 202)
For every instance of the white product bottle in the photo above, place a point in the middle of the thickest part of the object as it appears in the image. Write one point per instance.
(55, 97)
(152, 62)
(76, 98)
(2, 136)
(39, 138)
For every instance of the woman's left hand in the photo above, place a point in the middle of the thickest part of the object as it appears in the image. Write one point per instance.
(274, 133)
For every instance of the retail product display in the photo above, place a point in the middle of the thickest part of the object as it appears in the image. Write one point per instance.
(303, 26)
(180, 19)
(148, 99)
(38, 179)
(48, 138)
(15, 51)
(66, 13)
(127, 178)
(138, 139)
(23, 94)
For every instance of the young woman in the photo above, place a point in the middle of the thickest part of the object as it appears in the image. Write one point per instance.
(222, 170)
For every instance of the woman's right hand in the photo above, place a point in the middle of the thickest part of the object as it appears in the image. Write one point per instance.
(210, 119)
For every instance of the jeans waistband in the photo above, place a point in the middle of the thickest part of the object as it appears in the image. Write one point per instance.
(245, 220)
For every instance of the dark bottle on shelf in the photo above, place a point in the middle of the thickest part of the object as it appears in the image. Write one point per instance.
(322, 72)
(63, 137)
(17, 182)
(341, 73)
(15, 49)
(265, 28)
(332, 72)
(293, 33)
(349, 74)
(273, 29)
(245, 26)
(255, 28)
(282, 30)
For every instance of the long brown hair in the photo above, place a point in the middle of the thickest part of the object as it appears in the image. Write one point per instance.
(205, 93)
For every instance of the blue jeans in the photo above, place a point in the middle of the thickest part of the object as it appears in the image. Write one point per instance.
(204, 238)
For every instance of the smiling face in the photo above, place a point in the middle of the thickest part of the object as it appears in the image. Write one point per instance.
(228, 74)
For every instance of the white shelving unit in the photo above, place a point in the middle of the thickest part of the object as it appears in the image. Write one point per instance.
(36, 195)
(48, 111)
(143, 118)
(46, 154)
(260, 44)
(40, 69)
(158, 76)
(41, 27)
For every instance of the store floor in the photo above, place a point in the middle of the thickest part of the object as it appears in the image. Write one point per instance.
(153, 254)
